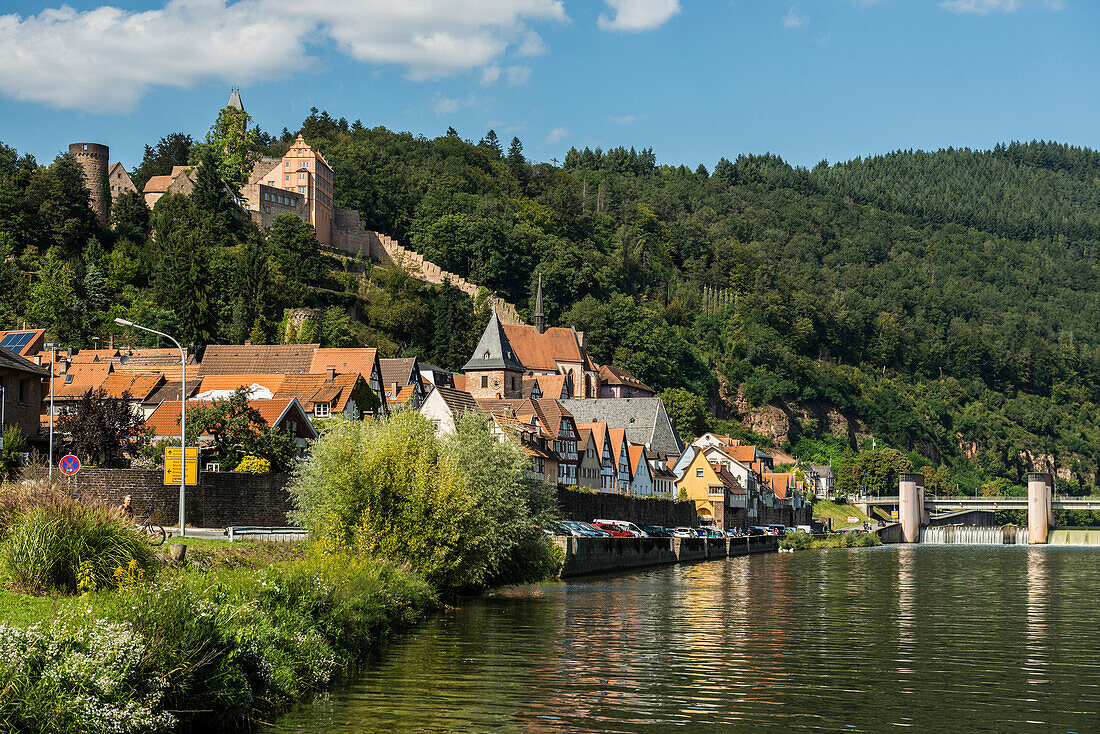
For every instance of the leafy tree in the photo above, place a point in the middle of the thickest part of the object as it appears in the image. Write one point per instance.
(491, 143)
(453, 332)
(336, 328)
(210, 196)
(687, 411)
(171, 150)
(238, 430)
(293, 245)
(878, 471)
(98, 427)
(53, 299)
(457, 509)
(234, 145)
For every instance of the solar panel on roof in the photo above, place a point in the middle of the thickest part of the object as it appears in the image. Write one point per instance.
(15, 341)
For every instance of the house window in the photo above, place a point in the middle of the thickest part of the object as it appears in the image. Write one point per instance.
(301, 189)
(321, 410)
(301, 177)
(698, 472)
(484, 381)
(23, 391)
(287, 164)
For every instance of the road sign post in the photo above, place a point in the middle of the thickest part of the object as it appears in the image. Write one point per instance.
(172, 465)
(69, 465)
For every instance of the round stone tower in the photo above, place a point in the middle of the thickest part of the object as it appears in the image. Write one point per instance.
(93, 158)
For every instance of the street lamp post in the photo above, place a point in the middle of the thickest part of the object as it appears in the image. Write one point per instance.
(53, 368)
(183, 411)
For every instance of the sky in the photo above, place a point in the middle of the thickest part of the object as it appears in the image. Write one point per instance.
(693, 79)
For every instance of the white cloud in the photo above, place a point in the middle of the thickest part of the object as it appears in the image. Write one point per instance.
(107, 59)
(518, 75)
(795, 18)
(638, 15)
(557, 135)
(490, 75)
(985, 7)
(624, 120)
(445, 105)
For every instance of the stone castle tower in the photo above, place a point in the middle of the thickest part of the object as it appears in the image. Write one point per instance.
(93, 159)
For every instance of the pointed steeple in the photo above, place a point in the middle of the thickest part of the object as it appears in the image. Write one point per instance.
(235, 99)
(494, 351)
(540, 315)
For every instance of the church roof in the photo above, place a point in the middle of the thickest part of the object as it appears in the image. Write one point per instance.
(494, 351)
(645, 420)
(235, 100)
(543, 351)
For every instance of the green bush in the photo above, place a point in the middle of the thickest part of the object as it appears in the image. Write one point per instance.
(218, 649)
(797, 539)
(457, 508)
(52, 542)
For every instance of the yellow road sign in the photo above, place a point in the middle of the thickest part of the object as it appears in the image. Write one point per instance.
(172, 465)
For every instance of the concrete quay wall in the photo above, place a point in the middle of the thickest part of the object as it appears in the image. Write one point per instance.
(601, 555)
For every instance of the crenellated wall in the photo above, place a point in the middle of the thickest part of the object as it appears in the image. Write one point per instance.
(351, 237)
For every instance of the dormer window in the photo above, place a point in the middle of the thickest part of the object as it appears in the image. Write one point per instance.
(486, 355)
(322, 410)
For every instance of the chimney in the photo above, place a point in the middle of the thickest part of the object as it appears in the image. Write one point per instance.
(540, 316)
(111, 342)
(63, 365)
(331, 373)
(396, 389)
(38, 359)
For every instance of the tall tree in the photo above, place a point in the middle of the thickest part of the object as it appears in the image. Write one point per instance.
(235, 146)
(98, 426)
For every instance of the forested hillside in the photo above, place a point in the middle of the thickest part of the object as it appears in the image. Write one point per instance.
(944, 303)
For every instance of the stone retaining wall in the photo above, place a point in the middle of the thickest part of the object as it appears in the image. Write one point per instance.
(603, 555)
(221, 499)
(587, 506)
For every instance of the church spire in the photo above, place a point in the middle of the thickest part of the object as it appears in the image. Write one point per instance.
(540, 315)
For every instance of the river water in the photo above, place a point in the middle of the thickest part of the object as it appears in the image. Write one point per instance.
(934, 638)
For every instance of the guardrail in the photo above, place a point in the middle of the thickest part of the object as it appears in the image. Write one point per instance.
(987, 503)
(252, 532)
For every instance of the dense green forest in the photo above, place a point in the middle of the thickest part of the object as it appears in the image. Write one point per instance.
(943, 303)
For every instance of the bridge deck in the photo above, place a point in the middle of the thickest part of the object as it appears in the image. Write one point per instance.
(988, 503)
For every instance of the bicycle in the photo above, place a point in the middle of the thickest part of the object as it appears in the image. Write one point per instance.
(152, 531)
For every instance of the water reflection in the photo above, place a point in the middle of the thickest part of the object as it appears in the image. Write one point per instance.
(934, 639)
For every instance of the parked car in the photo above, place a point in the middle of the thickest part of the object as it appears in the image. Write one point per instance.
(555, 527)
(614, 530)
(758, 530)
(591, 529)
(713, 532)
(656, 531)
(777, 529)
(682, 532)
(629, 527)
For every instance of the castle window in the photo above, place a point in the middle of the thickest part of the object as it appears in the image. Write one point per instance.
(288, 164)
(484, 381)
(288, 177)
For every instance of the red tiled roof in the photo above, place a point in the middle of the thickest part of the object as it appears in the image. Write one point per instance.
(165, 420)
(543, 351)
(157, 185)
(618, 376)
(269, 359)
(354, 359)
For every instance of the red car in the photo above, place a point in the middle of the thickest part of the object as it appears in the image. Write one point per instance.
(615, 530)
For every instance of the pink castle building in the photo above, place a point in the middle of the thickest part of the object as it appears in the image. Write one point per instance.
(303, 172)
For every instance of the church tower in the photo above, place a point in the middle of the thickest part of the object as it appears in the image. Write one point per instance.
(494, 371)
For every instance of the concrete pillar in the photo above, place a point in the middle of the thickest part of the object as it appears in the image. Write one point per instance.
(910, 506)
(1038, 507)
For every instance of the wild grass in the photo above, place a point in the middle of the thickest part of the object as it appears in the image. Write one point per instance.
(799, 540)
(51, 542)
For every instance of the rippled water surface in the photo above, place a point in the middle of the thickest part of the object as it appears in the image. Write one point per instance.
(931, 638)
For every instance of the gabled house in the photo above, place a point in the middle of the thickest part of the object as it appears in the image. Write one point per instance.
(664, 480)
(619, 446)
(641, 473)
(559, 426)
(534, 442)
(286, 415)
(718, 496)
(402, 382)
(590, 451)
(645, 421)
(609, 462)
(444, 404)
(616, 382)
(21, 392)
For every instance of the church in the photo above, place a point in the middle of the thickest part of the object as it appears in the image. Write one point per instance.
(510, 359)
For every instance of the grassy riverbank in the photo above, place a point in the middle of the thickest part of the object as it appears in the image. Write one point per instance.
(824, 510)
(203, 650)
(805, 541)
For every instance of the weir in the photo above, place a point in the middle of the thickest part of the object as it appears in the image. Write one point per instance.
(914, 525)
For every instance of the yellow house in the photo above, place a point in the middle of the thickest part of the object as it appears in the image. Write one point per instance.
(716, 493)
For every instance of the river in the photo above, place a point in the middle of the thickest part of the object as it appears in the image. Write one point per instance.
(934, 638)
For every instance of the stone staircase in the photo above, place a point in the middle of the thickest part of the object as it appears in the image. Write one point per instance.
(350, 237)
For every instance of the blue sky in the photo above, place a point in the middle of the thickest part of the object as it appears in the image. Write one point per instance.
(695, 80)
